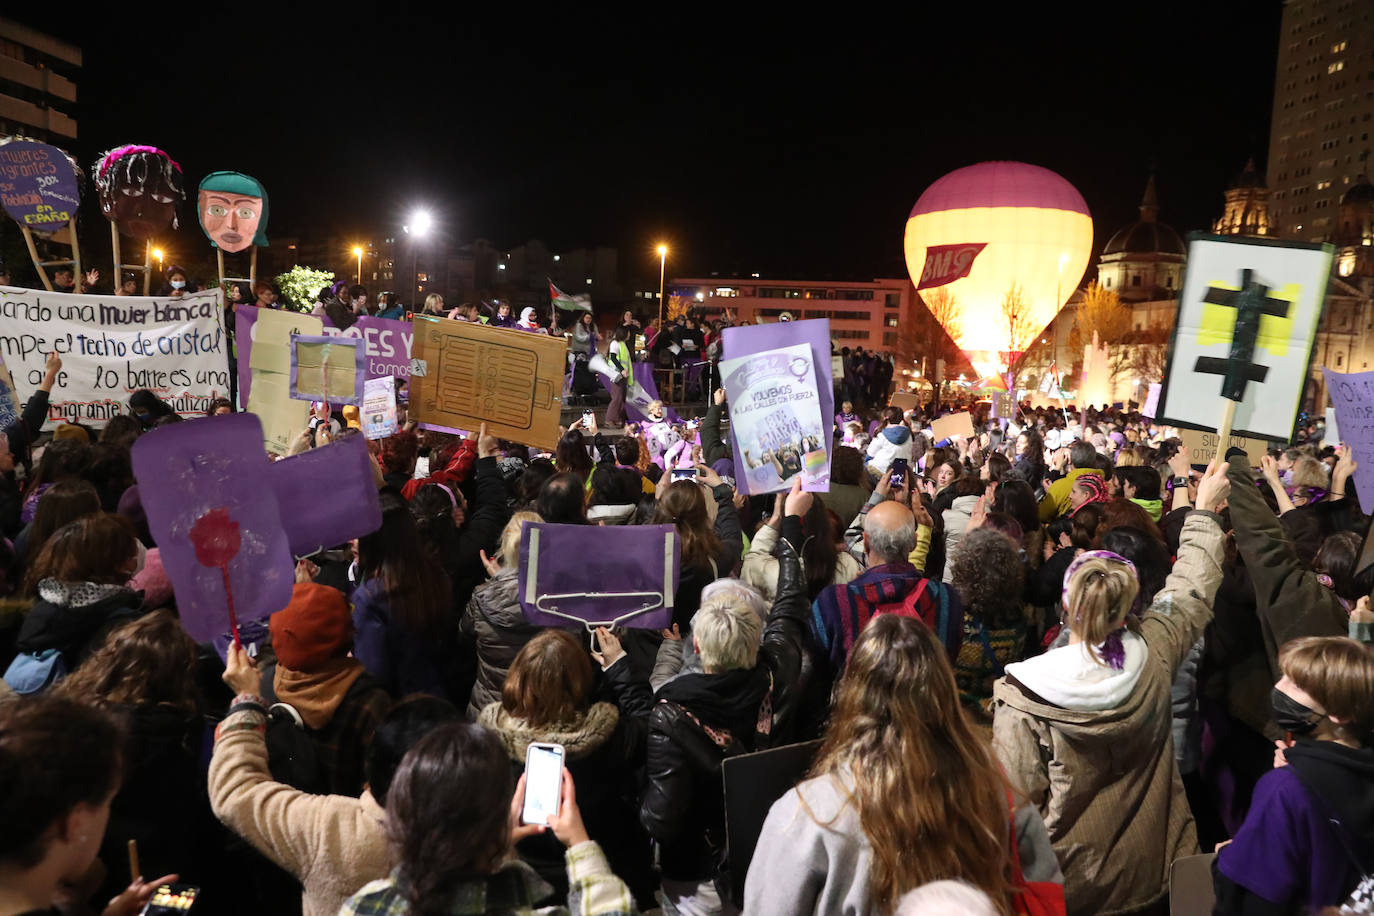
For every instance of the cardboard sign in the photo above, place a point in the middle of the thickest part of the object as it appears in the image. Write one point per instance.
(206, 471)
(951, 425)
(233, 211)
(580, 575)
(40, 188)
(464, 374)
(775, 421)
(904, 401)
(1202, 447)
(753, 782)
(330, 369)
(1353, 395)
(1332, 434)
(1151, 401)
(269, 362)
(379, 408)
(353, 508)
(1247, 320)
(112, 346)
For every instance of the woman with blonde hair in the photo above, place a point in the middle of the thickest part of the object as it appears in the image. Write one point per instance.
(493, 620)
(903, 793)
(1084, 728)
(434, 304)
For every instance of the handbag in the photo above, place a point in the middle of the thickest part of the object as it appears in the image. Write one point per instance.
(1032, 898)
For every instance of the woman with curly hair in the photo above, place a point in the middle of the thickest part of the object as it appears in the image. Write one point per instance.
(988, 574)
(903, 792)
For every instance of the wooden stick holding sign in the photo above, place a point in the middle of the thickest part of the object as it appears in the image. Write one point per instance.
(33, 253)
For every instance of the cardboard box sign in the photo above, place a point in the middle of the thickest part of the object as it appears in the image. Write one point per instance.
(904, 401)
(1202, 447)
(956, 424)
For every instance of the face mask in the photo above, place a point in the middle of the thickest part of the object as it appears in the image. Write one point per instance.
(1292, 716)
(178, 284)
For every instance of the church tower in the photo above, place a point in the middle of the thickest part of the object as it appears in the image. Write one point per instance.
(1247, 206)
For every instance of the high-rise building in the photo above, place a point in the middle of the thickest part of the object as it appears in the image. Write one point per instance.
(37, 84)
(1319, 140)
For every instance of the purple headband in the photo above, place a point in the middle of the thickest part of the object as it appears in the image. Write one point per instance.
(1112, 649)
(453, 500)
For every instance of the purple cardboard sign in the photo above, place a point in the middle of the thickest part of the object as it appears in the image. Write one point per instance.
(39, 187)
(387, 342)
(588, 574)
(1352, 394)
(206, 471)
(758, 338)
(319, 374)
(351, 508)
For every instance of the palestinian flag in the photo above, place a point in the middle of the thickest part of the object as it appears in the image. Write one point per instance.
(562, 300)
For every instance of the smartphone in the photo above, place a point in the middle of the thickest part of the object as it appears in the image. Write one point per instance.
(171, 898)
(543, 782)
(684, 473)
(588, 418)
(899, 472)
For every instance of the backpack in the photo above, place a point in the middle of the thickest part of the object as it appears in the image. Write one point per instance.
(291, 754)
(34, 672)
(941, 612)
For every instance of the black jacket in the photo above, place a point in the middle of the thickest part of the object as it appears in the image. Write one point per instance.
(713, 447)
(76, 632)
(20, 437)
(684, 807)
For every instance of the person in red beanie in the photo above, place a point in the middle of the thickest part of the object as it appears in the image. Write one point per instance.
(339, 704)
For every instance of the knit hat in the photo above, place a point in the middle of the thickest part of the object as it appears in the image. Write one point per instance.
(315, 627)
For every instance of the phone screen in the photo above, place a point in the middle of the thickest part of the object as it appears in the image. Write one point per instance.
(170, 899)
(899, 471)
(588, 416)
(684, 473)
(543, 782)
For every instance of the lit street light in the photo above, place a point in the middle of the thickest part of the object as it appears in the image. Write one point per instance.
(419, 226)
(358, 253)
(157, 253)
(662, 263)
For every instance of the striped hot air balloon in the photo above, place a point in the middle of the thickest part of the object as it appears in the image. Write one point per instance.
(983, 228)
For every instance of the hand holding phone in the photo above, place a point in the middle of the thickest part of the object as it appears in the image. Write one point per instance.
(899, 472)
(543, 783)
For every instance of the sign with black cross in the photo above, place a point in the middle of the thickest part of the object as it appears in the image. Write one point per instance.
(1247, 320)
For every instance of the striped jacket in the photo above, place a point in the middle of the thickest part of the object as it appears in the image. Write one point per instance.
(840, 613)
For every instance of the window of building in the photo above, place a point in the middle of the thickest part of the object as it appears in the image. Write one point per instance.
(890, 339)
(1340, 358)
(893, 300)
(1169, 281)
(1335, 67)
(891, 321)
(1135, 280)
(847, 334)
(1109, 283)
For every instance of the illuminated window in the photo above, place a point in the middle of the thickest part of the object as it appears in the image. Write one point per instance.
(423, 278)
(1338, 47)
(1335, 67)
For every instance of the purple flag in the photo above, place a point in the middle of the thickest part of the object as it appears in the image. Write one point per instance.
(588, 574)
(218, 527)
(349, 507)
(640, 392)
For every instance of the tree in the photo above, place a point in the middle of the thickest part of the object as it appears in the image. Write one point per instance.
(301, 285)
(1019, 325)
(1101, 312)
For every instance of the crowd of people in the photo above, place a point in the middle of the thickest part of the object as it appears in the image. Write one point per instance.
(1040, 665)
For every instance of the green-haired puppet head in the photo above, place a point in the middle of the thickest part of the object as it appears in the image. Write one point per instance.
(233, 211)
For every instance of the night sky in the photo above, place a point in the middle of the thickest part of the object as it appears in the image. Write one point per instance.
(790, 144)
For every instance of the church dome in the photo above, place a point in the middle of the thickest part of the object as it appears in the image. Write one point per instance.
(1146, 235)
(1362, 192)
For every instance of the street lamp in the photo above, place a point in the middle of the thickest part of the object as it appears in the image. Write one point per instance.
(157, 253)
(358, 253)
(662, 263)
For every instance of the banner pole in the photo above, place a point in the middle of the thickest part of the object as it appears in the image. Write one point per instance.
(147, 265)
(1228, 419)
(114, 248)
(253, 268)
(219, 262)
(33, 253)
(76, 256)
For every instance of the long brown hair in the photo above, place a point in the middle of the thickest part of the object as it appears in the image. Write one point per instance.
(684, 506)
(930, 797)
(549, 681)
(147, 662)
(95, 548)
(63, 502)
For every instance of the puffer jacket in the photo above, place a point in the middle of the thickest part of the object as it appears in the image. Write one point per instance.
(1106, 780)
(891, 442)
(684, 808)
(760, 568)
(494, 622)
(956, 519)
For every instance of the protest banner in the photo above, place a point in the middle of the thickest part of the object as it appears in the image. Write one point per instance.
(1353, 396)
(387, 341)
(9, 401)
(1151, 401)
(904, 401)
(379, 408)
(327, 369)
(740, 342)
(269, 364)
(775, 420)
(111, 346)
(462, 374)
(951, 425)
(599, 576)
(1202, 446)
(40, 189)
(1247, 320)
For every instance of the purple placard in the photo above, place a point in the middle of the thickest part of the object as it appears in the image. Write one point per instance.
(186, 471)
(641, 391)
(352, 508)
(1352, 394)
(603, 574)
(355, 398)
(387, 343)
(39, 187)
(757, 338)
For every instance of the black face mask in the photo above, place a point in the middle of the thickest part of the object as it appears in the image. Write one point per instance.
(1292, 716)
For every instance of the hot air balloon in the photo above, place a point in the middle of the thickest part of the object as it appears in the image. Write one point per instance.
(982, 229)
